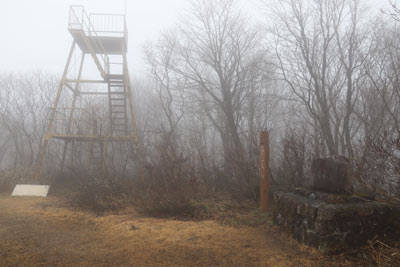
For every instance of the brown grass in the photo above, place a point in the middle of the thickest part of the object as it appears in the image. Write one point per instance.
(48, 232)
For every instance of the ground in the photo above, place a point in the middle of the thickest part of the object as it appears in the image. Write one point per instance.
(49, 232)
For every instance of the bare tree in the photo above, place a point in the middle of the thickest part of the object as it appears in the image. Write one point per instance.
(23, 113)
(219, 54)
(318, 51)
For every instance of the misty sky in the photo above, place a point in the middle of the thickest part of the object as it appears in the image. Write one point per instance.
(34, 33)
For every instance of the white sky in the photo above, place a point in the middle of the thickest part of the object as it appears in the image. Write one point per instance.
(34, 35)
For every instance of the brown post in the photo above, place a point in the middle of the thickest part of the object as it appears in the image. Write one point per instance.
(264, 170)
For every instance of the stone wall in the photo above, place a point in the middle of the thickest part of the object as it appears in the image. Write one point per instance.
(333, 222)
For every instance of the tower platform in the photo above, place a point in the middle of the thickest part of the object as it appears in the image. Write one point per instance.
(100, 44)
(106, 33)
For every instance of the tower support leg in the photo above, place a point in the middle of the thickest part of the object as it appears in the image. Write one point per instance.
(53, 112)
(76, 93)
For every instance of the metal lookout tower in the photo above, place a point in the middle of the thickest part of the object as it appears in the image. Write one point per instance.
(93, 112)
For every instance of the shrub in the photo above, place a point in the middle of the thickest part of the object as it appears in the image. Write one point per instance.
(9, 178)
(293, 168)
(377, 166)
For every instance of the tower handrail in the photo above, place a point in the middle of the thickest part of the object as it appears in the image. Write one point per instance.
(109, 25)
(87, 27)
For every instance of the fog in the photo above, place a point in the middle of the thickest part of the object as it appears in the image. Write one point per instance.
(187, 129)
(34, 33)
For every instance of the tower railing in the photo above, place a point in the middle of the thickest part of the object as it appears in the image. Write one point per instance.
(79, 20)
(108, 25)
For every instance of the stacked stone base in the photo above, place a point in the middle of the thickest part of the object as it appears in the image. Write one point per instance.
(333, 222)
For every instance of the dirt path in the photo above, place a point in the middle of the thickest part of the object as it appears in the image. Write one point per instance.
(46, 232)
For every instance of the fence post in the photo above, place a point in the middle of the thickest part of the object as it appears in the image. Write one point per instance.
(264, 170)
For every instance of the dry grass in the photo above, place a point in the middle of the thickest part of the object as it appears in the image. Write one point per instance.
(48, 232)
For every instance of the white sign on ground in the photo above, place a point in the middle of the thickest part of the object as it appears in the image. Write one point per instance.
(30, 190)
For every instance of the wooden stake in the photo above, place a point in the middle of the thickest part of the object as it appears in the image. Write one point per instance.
(264, 170)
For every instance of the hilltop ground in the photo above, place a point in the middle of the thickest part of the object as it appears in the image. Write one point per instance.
(49, 232)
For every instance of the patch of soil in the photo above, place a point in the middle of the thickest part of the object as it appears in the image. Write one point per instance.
(48, 232)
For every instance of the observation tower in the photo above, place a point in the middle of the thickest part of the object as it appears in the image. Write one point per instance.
(90, 114)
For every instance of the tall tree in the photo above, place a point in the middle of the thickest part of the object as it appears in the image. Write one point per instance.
(318, 46)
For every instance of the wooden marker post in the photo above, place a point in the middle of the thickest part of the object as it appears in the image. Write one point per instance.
(264, 170)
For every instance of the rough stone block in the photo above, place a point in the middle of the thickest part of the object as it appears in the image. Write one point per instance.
(330, 175)
(339, 226)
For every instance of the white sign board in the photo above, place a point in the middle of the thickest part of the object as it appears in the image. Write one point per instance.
(30, 190)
